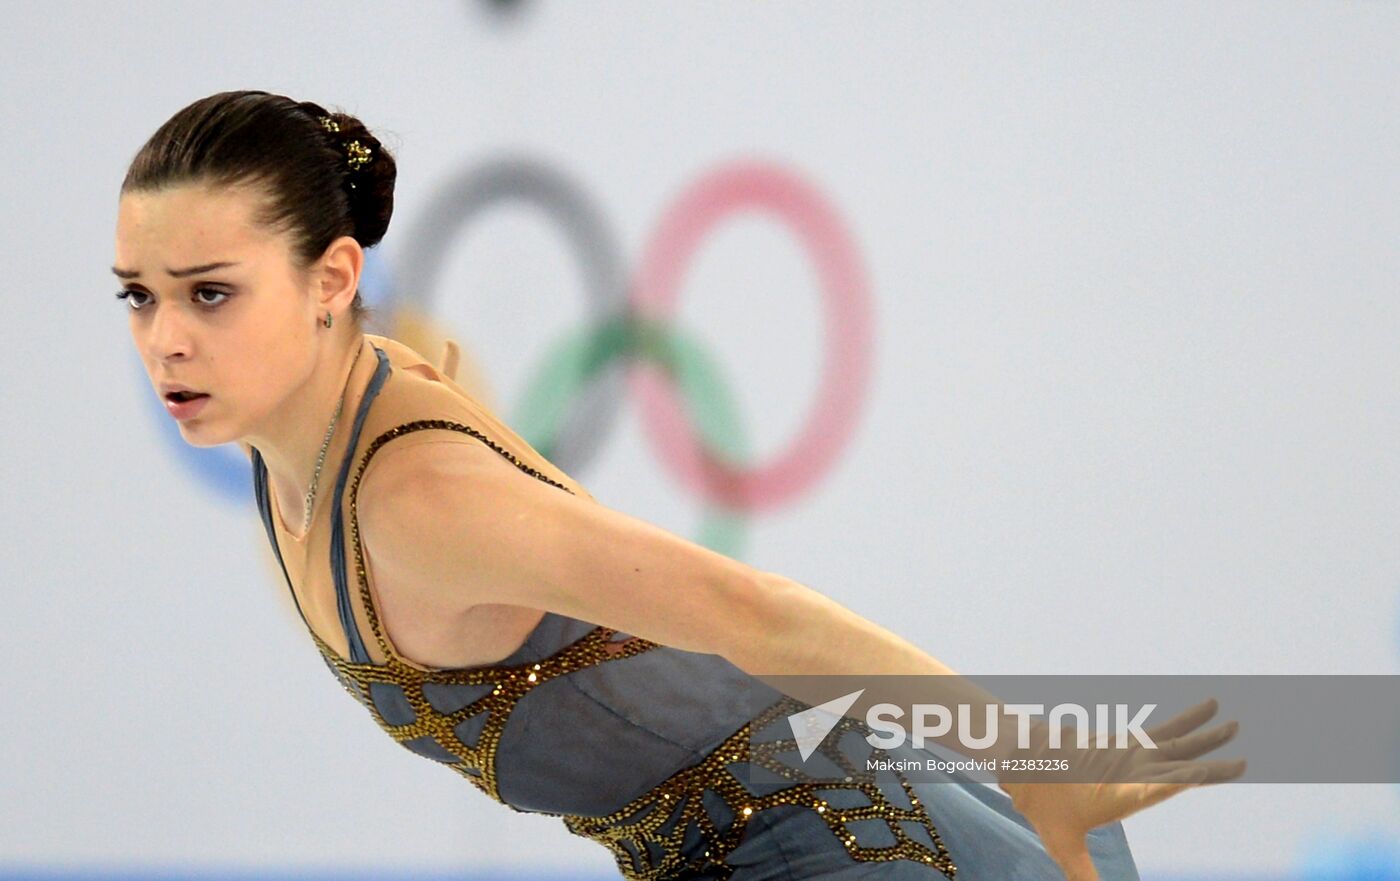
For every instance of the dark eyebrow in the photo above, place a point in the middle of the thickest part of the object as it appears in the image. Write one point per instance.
(174, 273)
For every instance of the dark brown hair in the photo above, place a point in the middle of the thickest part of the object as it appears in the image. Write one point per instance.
(279, 147)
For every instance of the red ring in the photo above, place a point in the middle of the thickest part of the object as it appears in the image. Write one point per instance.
(848, 331)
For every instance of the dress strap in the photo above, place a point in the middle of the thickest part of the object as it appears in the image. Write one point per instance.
(358, 653)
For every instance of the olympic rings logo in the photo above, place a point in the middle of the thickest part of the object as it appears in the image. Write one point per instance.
(574, 397)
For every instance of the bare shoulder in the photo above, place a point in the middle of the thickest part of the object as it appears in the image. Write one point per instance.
(405, 479)
(440, 484)
(405, 502)
(457, 525)
(411, 503)
(420, 465)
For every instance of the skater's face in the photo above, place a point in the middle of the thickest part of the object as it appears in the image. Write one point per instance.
(216, 305)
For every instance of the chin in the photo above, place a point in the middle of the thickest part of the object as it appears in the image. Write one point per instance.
(197, 435)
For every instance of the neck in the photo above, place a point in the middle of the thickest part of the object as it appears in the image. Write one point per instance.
(291, 447)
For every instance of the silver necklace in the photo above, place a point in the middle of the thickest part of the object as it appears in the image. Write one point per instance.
(325, 444)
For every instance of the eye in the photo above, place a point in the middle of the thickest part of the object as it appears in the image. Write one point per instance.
(130, 296)
(136, 305)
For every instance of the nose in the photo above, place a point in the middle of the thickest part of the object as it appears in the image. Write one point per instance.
(167, 336)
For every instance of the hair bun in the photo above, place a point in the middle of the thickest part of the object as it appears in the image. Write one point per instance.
(370, 175)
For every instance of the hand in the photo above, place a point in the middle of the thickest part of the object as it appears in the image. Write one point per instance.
(1120, 782)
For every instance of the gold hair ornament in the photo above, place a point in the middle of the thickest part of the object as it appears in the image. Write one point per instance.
(357, 154)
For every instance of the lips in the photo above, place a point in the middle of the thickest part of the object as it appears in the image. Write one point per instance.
(186, 409)
(174, 391)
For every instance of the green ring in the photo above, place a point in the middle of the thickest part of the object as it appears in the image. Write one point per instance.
(582, 356)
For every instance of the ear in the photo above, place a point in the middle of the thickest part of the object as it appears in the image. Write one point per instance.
(338, 275)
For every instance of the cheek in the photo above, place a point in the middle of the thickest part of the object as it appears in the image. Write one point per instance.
(265, 356)
(257, 373)
(265, 375)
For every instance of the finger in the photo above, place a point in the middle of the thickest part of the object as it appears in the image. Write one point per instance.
(1191, 745)
(1146, 795)
(1168, 785)
(1213, 771)
(1187, 721)
(1120, 767)
(450, 354)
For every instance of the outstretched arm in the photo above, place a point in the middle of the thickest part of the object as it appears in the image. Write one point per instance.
(454, 525)
(457, 525)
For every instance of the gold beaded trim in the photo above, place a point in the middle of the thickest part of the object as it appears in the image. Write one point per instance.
(640, 822)
(636, 834)
(476, 763)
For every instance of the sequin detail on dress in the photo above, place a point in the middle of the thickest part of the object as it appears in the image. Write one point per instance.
(646, 836)
(457, 717)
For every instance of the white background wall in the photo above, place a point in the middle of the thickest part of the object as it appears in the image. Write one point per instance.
(1134, 279)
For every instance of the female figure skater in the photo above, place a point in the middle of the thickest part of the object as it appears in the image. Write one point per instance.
(565, 658)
